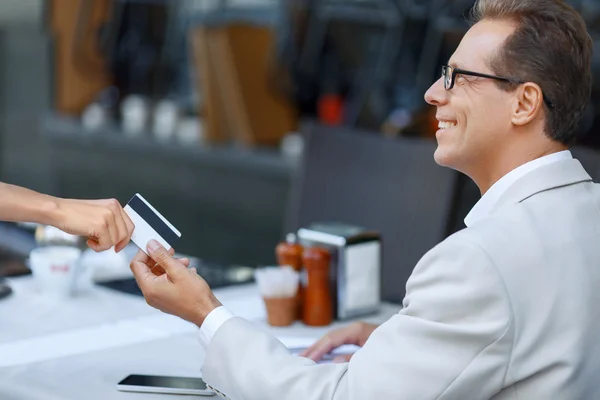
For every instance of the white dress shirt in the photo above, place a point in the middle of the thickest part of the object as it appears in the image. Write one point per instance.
(220, 315)
(212, 323)
(491, 197)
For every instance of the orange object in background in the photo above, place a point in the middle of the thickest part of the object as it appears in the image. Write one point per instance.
(331, 109)
(290, 253)
(317, 309)
(281, 311)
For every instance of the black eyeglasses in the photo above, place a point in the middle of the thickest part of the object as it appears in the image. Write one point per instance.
(449, 74)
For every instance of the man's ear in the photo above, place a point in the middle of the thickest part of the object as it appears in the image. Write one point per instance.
(529, 101)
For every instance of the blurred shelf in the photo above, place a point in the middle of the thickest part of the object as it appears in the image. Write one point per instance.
(223, 12)
(260, 15)
(270, 162)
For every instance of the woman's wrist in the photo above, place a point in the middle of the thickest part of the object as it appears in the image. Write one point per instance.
(49, 212)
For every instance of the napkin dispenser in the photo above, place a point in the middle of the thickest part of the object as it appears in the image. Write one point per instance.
(355, 269)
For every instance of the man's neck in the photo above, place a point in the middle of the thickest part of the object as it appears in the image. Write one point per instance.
(513, 159)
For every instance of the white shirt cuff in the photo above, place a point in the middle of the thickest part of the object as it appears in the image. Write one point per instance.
(212, 323)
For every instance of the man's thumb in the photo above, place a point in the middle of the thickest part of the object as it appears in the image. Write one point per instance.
(161, 256)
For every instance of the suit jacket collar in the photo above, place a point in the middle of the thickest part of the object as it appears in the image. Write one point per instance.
(548, 177)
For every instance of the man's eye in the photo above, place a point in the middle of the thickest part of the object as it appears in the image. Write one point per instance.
(460, 79)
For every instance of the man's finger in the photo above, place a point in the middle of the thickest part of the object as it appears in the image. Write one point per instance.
(342, 359)
(318, 350)
(185, 261)
(142, 273)
(141, 257)
(322, 347)
(158, 270)
(162, 257)
(316, 353)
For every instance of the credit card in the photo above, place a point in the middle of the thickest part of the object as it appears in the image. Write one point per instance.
(149, 224)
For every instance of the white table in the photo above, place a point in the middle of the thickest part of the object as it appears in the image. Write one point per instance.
(80, 349)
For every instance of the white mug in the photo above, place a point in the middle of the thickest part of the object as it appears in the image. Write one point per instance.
(56, 269)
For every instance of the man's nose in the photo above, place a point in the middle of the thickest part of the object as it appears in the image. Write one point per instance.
(436, 95)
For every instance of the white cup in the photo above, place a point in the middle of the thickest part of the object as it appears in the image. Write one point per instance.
(56, 269)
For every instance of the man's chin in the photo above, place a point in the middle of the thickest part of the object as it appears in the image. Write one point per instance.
(443, 157)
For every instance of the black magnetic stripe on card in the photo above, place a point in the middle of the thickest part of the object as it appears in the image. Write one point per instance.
(153, 220)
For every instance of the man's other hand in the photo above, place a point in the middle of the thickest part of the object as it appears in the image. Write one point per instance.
(178, 291)
(103, 222)
(356, 333)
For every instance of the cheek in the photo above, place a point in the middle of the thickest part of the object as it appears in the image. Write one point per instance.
(493, 111)
(486, 118)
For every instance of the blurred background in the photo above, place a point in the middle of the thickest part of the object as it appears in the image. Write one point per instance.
(242, 121)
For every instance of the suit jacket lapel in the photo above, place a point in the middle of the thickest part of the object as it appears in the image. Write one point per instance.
(548, 177)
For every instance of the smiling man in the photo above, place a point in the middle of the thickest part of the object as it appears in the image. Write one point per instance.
(493, 100)
(504, 309)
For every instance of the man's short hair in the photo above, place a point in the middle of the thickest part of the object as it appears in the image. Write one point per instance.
(551, 47)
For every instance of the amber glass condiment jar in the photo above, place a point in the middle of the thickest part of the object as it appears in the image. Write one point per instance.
(289, 252)
(317, 309)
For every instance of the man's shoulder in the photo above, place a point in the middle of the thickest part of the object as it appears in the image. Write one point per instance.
(475, 238)
(504, 231)
(533, 226)
(466, 244)
(545, 208)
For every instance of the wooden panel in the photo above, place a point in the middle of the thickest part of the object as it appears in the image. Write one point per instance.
(212, 107)
(240, 101)
(233, 103)
(78, 76)
(271, 115)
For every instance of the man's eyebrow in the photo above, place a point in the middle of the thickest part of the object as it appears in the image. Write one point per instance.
(456, 65)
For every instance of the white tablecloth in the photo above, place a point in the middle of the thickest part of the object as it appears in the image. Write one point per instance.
(27, 313)
(80, 349)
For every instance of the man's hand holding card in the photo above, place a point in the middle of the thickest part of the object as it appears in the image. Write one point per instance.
(179, 291)
(166, 282)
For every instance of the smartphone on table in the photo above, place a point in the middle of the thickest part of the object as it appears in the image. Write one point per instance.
(164, 384)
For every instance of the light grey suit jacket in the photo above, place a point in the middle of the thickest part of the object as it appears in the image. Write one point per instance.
(506, 309)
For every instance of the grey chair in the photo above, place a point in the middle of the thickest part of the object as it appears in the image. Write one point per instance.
(590, 159)
(391, 185)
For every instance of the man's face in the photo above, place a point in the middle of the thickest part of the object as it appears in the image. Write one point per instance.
(475, 115)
